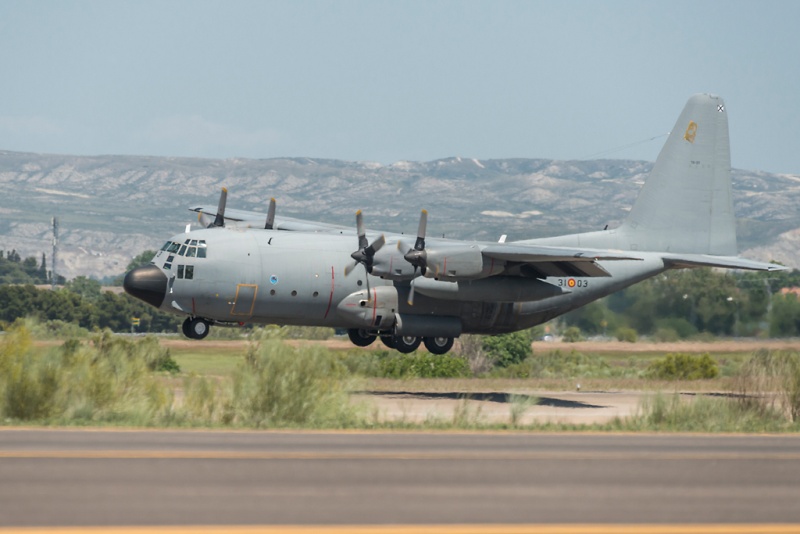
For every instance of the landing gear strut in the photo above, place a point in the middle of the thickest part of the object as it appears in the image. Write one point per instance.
(195, 328)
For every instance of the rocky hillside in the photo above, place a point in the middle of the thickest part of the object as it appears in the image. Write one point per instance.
(111, 208)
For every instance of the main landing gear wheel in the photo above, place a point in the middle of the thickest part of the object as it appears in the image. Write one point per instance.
(360, 338)
(195, 328)
(406, 344)
(438, 345)
(388, 341)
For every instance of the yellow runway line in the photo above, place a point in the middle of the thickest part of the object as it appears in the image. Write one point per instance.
(388, 455)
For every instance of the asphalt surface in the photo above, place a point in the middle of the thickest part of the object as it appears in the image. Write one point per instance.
(93, 477)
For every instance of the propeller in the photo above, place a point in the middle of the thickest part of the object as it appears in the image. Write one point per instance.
(366, 250)
(417, 255)
(270, 215)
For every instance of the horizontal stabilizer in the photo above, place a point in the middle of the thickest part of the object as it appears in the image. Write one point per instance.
(683, 261)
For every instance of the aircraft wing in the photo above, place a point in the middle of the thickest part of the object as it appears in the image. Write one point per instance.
(683, 261)
(257, 220)
(555, 261)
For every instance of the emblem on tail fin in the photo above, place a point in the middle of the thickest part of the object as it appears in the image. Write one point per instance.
(691, 132)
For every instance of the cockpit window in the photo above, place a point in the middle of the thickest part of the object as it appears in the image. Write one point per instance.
(166, 245)
(194, 242)
(173, 247)
(182, 251)
(191, 252)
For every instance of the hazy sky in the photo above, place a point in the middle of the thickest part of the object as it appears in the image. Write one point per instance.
(389, 81)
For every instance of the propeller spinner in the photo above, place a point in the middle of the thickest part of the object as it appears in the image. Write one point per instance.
(366, 250)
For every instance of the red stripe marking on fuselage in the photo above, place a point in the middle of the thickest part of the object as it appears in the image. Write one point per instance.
(330, 299)
(374, 304)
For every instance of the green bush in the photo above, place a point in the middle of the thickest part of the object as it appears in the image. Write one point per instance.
(572, 335)
(279, 385)
(682, 328)
(770, 381)
(626, 334)
(699, 413)
(508, 349)
(423, 365)
(682, 366)
(105, 381)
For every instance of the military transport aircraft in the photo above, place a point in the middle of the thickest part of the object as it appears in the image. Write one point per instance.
(245, 267)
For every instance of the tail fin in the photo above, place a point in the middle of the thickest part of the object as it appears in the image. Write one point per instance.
(686, 204)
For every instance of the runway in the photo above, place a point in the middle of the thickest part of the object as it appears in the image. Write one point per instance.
(140, 478)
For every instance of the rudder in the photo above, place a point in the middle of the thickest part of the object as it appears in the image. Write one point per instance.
(686, 204)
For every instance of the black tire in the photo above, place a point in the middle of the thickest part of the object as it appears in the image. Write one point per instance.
(388, 341)
(406, 344)
(199, 328)
(186, 328)
(439, 345)
(360, 338)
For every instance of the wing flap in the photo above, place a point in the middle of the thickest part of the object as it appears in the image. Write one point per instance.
(544, 261)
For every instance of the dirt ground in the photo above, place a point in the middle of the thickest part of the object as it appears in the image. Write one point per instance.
(496, 407)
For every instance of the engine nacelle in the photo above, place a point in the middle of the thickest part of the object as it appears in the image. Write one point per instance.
(494, 289)
(389, 263)
(463, 262)
(375, 308)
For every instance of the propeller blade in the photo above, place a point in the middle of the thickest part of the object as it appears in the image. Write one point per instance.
(220, 219)
(423, 226)
(362, 233)
(349, 268)
(270, 215)
(205, 220)
(375, 247)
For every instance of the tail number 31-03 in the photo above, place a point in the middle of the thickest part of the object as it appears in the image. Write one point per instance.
(573, 282)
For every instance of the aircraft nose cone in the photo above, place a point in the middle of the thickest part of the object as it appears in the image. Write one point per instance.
(147, 283)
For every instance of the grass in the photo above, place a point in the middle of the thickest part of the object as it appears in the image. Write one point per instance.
(267, 383)
(208, 361)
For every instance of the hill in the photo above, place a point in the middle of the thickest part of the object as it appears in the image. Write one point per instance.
(111, 208)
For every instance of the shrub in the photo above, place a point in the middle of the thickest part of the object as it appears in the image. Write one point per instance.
(626, 334)
(682, 366)
(572, 335)
(698, 413)
(770, 381)
(279, 385)
(107, 380)
(508, 349)
(424, 365)
(471, 348)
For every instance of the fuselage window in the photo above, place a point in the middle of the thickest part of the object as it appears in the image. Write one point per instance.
(182, 251)
(191, 252)
(180, 271)
(189, 272)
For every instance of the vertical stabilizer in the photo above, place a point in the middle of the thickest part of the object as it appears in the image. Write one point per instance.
(686, 204)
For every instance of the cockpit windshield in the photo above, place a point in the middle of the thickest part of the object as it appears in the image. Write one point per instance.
(191, 248)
